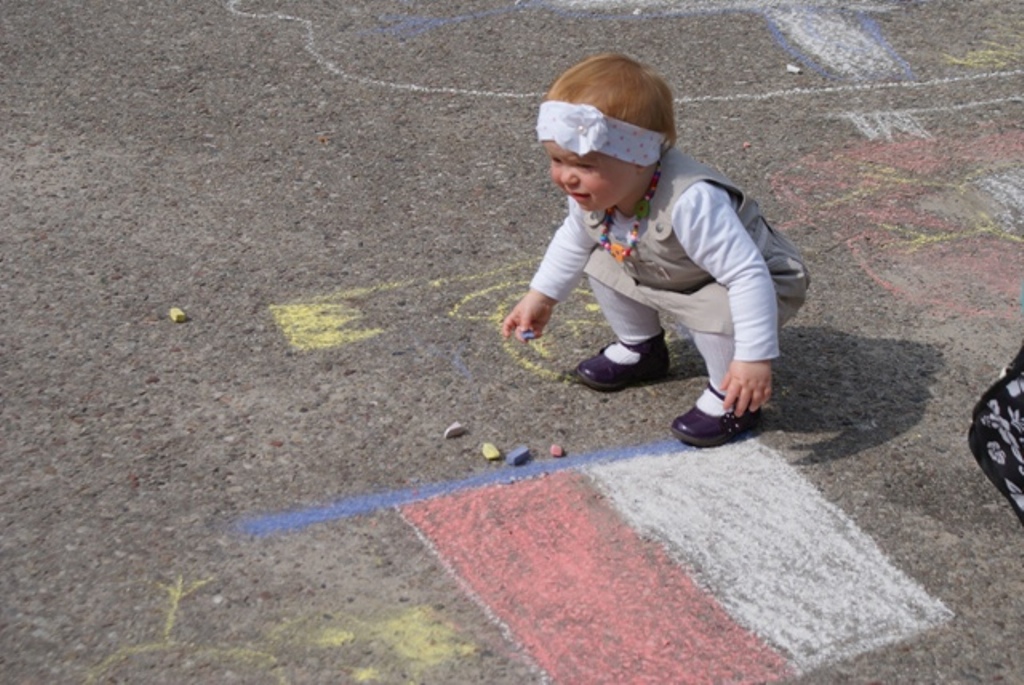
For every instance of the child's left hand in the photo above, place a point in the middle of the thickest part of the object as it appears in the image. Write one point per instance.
(747, 385)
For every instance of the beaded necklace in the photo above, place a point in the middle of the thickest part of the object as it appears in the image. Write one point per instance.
(640, 211)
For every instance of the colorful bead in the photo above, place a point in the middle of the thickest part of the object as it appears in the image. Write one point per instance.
(642, 209)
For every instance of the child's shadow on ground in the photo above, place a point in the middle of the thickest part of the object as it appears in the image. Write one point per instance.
(862, 392)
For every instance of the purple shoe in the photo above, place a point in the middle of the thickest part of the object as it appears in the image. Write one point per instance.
(601, 373)
(703, 430)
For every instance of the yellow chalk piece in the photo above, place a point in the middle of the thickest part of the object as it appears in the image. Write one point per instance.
(177, 315)
(491, 452)
(320, 326)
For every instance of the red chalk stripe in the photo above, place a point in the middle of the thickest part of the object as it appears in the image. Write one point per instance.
(589, 600)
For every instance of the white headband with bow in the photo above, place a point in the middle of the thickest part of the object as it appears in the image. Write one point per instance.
(584, 128)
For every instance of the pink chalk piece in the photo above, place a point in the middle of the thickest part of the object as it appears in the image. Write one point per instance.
(557, 451)
(589, 598)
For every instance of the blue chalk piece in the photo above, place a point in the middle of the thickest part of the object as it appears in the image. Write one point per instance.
(518, 456)
(528, 335)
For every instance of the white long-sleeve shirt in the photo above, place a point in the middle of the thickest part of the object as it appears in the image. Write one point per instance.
(706, 224)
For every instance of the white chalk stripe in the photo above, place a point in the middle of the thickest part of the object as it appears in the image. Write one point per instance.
(783, 561)
(875, 125)
(881, 124)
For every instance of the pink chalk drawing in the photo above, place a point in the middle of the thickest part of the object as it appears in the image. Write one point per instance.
(938, 222)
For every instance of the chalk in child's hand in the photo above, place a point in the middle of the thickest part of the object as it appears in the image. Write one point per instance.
(528, 334)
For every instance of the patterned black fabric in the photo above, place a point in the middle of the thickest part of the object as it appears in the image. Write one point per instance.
(996, 436)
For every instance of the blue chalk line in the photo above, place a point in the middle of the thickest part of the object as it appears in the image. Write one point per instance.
(290, 521)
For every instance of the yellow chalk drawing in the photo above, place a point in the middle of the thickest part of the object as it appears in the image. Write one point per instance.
(417, 639)
(325, 321)
(366, 675)
(175, 593)
(492, 303)
(1006, 52)
(256, 659)
(876, 179)
(577, 315)
(318, 326)
(420, 638)
(341, 318)
(417, 636)
(914, 239)
(516, 267)
(463, 308)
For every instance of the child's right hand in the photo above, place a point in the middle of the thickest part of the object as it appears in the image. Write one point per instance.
(532, 313)
(747, 385)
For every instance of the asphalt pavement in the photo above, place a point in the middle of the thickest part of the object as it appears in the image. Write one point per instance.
(344, 199)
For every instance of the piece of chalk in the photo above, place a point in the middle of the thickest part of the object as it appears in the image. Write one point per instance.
(518, 456)
(177, 315)
(454, 430)
(557, 451)
(528, 335)
(491, 452)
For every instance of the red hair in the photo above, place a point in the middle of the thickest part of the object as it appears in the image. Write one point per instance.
(621, 88)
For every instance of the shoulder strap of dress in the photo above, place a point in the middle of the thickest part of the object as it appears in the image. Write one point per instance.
(681, 171)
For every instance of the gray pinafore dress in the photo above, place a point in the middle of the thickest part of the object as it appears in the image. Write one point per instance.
(661, 275)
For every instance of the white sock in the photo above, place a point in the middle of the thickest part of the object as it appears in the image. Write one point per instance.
(710, 403)
(620, 354)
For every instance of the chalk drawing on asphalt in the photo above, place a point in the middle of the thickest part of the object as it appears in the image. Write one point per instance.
(416, 640)
(698, 546)
(935, 221)
(1007, 189)
(318, 326)
(875, 125)
(325, 321)
(998, 62)
(837, 40)
(793, 93)
(357, 315)
(1004, 52)
(889, 124)
(837, 43)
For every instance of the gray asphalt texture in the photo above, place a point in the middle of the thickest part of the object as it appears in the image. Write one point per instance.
(218, 158)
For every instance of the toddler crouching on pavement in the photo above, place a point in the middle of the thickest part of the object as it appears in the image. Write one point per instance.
(655, 231)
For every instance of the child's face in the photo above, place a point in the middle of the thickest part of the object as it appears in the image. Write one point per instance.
(596, 181)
